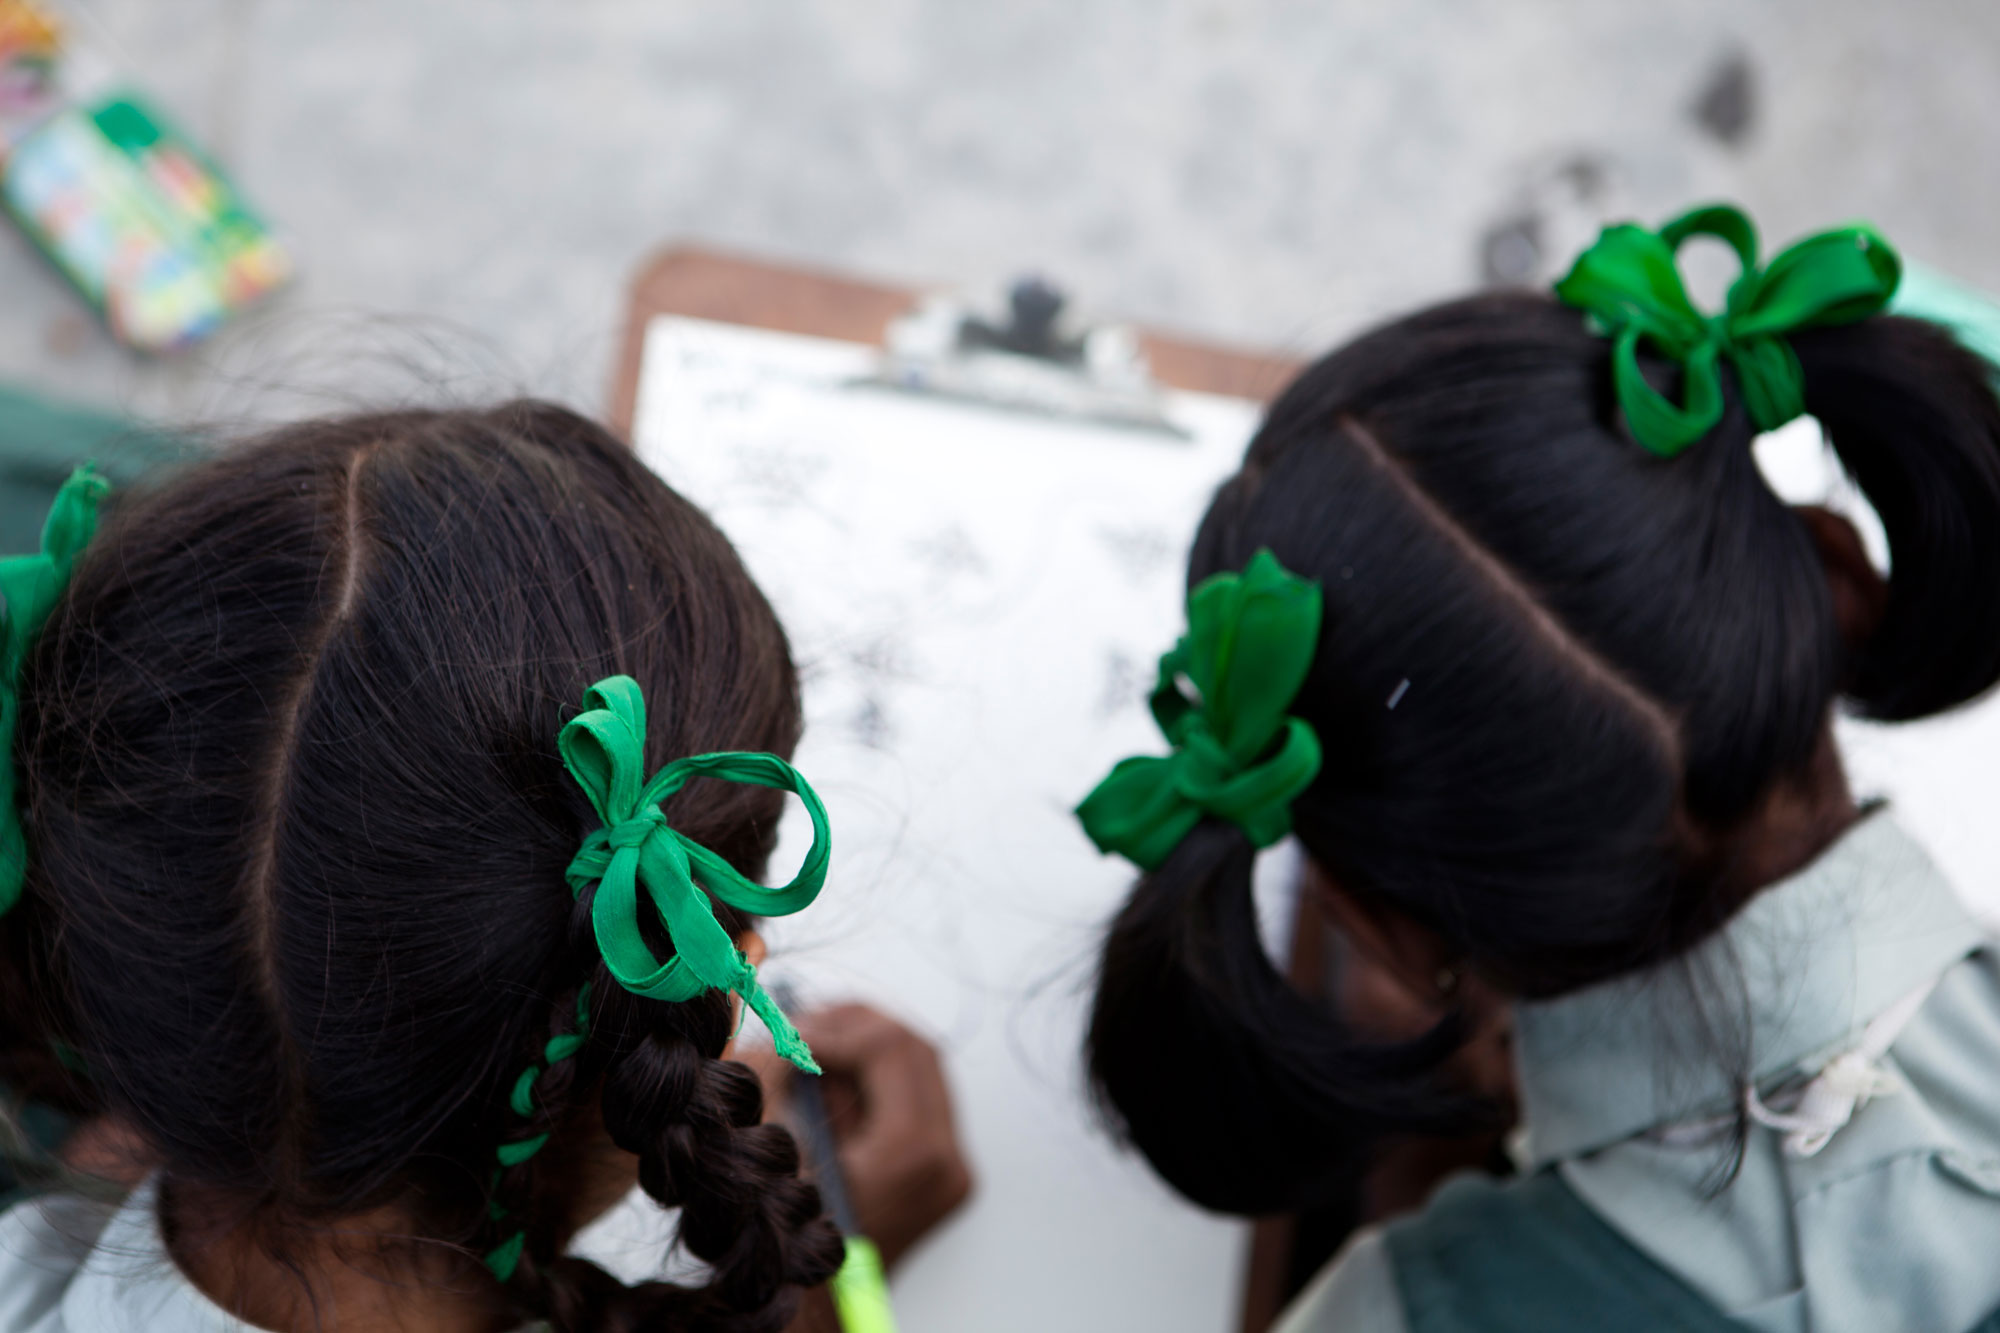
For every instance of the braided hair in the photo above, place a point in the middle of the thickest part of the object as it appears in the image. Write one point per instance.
(295, 903)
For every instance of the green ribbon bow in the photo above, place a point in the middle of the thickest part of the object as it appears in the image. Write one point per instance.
(604, 749)
(1250, 642)
(30, 585)
(505, 1257)
(1628, 281)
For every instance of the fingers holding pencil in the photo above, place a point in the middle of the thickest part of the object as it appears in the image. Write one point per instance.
(896, 1139)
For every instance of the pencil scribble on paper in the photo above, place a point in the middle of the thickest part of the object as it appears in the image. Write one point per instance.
(1138, 553)
(870, 724)
(778, 478)
(881, 659)
(1127, 681)
(812, 668)
(950, 551)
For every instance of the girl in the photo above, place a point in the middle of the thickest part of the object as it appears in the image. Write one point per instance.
(1501, 619)
(341, 895)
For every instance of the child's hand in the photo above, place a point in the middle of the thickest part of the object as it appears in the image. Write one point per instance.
(892, 1116)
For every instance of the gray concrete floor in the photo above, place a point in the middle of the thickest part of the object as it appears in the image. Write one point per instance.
(470, 183)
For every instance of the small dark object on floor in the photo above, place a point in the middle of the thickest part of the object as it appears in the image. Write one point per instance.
(1510, 251)
(1726, 106)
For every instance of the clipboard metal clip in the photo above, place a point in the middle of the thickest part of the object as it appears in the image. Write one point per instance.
(1033, 360)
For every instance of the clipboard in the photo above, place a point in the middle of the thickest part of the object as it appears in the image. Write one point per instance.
(701, 283)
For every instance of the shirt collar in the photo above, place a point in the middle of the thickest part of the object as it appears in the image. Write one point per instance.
(1799, 971)
(129, 1281)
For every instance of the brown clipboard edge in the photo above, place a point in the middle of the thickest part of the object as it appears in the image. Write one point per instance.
(703, 283)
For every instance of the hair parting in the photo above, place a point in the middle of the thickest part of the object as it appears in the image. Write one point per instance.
(294, 802)
(1621, 658)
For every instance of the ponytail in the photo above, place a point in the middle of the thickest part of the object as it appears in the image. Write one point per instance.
(1568, 655)
(1247, 1096)
(1915, 421)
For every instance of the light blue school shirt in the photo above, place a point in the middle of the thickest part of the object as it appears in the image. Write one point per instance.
(75, 1265)
(1895, 1224)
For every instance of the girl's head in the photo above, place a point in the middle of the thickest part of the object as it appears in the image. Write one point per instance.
(1559, 682)
(298, 828)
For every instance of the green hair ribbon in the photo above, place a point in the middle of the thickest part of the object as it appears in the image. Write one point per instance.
(31, 584)
(1629, 283)
(505, 1257)
(604, 749)
(1237, 755)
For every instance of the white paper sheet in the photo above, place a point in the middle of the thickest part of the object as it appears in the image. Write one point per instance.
(976, 600)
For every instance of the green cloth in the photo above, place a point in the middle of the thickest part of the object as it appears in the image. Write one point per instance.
(29, 587)
(1972, 316)
(1528, 1256)
(604, 748)
(1630, 285)
(41, 442)
(1237, 755)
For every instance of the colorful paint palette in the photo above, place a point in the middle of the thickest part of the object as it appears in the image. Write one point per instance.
(144, 226)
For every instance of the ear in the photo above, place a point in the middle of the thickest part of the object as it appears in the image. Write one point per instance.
(1860, 593)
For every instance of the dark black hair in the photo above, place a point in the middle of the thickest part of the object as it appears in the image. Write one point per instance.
(298, 826)
(1601, 662)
